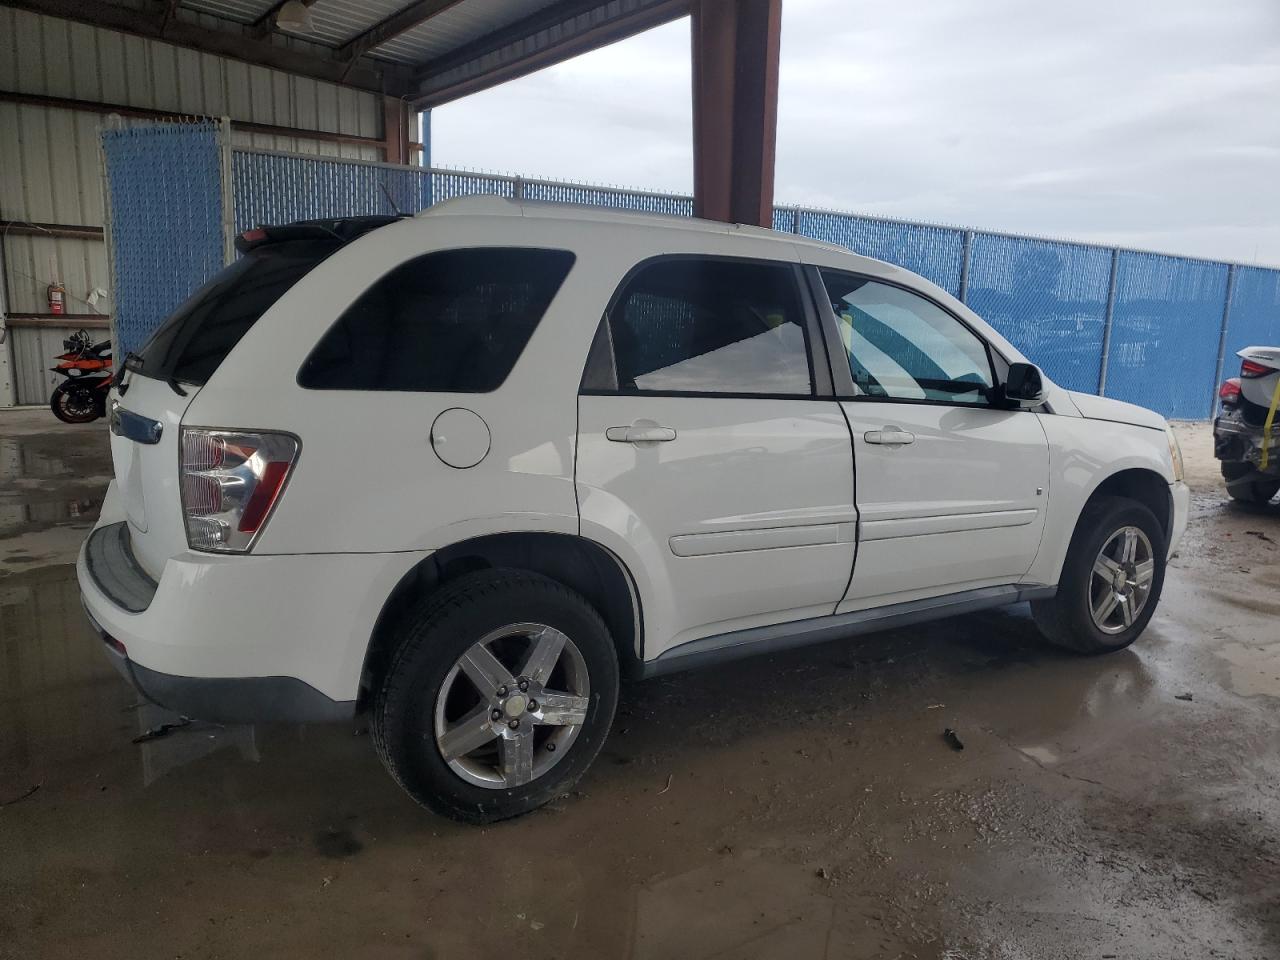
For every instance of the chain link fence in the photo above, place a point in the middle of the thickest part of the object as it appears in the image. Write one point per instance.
(166, 219)
(1152, 329)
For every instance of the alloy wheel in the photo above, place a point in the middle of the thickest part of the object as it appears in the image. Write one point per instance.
(1121, 580)
(511, 706)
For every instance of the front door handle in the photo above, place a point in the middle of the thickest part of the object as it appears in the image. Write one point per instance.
(642, 431)
(894, 435)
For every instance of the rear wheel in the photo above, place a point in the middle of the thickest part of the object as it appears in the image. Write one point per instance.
(1247, 491)
(1111, 580)
(72, 403)
(499, 697)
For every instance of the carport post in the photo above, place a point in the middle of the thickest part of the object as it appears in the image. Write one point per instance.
(1106, 323)
(735, 108)
(1222, 338)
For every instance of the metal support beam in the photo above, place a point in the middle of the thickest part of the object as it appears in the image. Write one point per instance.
(240, 45)
(395, 130)
(404, 19)
(550, 36)
(735, 108)
(424, 134)
(247, 126)
(68, 231)
(8, 387)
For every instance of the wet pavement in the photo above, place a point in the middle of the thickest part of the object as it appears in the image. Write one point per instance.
(801, 805)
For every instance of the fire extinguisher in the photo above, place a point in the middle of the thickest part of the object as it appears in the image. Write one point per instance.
(57, 298)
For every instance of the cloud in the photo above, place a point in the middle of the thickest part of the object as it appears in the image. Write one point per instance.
(1147, 122)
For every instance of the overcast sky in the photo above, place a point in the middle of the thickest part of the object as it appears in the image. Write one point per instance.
(1150, 123)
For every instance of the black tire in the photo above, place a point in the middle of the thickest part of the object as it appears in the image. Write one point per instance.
(1066, 619)
(1248, 491)
(433, 636)
(71, 403)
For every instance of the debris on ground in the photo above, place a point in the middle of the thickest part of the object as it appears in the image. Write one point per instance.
(823, 873)
(953, 739)
(163, 730)
(935, 706)
(1260, 535)
(1183, 696)
(670, 777)
(21, 797)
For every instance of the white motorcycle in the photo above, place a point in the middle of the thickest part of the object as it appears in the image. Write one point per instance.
(1246, 434)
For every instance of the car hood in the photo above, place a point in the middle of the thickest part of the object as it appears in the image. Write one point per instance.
(1117, 411)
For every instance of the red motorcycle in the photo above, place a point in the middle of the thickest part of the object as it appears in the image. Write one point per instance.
(82, 397)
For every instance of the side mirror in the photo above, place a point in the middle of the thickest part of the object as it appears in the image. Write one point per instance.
(1023, 386)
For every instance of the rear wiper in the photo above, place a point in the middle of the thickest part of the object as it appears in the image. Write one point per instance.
(173, 385)
(132, 364)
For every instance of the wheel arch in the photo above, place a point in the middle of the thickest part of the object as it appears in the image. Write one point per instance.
(1145, 486)
(575, 561)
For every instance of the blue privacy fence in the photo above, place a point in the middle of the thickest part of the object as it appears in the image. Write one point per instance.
(166, 219)
(1155, 330)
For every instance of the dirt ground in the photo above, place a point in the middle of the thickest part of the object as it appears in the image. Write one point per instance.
(801, 805)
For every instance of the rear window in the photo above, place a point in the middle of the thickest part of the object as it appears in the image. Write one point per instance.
(454, 321)
(197, 337)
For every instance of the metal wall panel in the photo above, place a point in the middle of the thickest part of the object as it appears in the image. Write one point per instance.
(50, 165)
(33, 351)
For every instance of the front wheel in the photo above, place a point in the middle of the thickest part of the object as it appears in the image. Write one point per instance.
(72, 403)
(1111, 580)
(499, 697)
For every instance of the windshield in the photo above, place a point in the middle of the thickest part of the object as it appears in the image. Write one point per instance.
(190, 345)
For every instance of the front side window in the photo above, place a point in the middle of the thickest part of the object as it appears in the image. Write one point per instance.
(901, 346)
(703, 325)
(454, 321)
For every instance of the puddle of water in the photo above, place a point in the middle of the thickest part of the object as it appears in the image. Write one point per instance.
(1042, 755)
(61, 699)
(1254, 668)
(49, 479)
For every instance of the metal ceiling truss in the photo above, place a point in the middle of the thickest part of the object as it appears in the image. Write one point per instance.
(548, 35)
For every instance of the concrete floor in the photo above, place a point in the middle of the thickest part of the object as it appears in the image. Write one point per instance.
(802, 805)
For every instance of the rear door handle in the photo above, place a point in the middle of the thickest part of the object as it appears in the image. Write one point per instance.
(894, 435)
(642, 431)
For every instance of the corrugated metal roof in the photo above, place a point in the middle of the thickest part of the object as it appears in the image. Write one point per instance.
(461, 24)
(241, 11)
(389, 67)
(337, 21)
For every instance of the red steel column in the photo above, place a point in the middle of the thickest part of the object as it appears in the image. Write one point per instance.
(735, 108)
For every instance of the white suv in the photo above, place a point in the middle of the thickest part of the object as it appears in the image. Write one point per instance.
(463, 470)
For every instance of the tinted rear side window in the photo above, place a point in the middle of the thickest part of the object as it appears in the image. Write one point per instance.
(704, 325)
(454, 321)
(197, 337)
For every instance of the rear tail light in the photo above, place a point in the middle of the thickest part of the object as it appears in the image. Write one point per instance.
(1252, 368)
(1229, 392)
(231, 480)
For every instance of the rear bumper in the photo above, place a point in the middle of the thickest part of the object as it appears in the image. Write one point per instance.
(239, 638)
(1235, 441)
(229, 699)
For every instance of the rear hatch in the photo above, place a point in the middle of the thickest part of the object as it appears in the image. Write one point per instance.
(160, 381)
